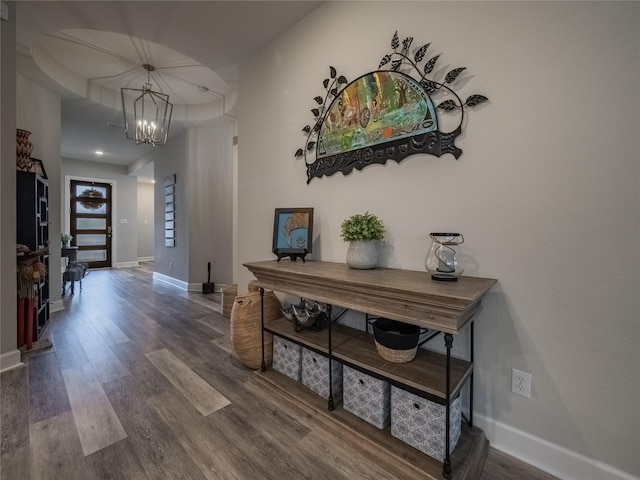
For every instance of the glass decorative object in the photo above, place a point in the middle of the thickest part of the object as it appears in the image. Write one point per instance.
(443, 259)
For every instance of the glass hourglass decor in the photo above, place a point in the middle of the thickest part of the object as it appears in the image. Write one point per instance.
(443, 259)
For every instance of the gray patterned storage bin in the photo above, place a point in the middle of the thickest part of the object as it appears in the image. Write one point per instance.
(287, 357)
(367, 397)
(315, 373)
(421, 422)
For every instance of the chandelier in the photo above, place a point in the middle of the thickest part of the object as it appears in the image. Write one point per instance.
(147, 114)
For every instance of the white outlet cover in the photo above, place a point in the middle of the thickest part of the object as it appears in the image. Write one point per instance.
(521, 383)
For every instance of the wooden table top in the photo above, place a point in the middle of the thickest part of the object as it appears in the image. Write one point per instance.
(405, 295)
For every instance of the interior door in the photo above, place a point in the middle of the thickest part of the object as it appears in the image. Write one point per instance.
(91, 222)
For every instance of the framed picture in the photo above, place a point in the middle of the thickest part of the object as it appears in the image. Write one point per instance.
(292, 232)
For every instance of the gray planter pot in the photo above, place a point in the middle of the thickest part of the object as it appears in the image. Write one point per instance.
(362, 255)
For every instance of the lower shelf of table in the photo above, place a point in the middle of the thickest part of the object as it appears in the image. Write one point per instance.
(426, 374)
(467, 458)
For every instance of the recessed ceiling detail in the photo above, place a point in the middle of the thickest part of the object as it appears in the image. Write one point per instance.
(96, 64)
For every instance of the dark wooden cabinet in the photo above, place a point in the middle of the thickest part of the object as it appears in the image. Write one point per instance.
(32, 218)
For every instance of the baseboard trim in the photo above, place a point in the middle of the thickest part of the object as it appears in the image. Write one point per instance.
(56, 306)
(171, 281)
(10, 360)
(127, 264)
(146, 259)
(549, 457)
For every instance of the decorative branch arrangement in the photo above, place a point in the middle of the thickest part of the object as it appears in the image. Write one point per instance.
(386, 114)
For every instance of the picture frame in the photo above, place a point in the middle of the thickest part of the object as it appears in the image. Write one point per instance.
(292, 233)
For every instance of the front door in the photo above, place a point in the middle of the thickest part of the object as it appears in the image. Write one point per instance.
(91, 222)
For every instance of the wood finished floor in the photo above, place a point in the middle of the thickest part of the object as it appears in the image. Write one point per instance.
(141, 384)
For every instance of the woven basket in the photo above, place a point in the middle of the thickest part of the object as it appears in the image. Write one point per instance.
(396, 356)
(229, 295)
(246, 335)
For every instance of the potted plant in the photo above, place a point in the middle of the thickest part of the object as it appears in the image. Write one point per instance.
(363, 232)
(65, 238)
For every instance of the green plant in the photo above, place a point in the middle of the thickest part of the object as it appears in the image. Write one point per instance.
(66, 238)
(362, 227)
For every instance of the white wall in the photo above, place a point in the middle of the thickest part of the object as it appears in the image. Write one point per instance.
(38, 111)
(145, 220)
(546, 194)
(210, 179)
(9, 355)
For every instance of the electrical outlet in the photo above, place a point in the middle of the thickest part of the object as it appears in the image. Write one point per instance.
(521, 383)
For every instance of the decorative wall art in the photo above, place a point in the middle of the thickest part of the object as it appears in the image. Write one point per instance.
(387, 114)
(169, 211)
(292, 232)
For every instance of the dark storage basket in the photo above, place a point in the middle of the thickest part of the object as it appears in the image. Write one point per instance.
(395, 341)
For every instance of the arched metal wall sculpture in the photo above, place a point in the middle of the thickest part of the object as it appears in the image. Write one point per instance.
(383, 115)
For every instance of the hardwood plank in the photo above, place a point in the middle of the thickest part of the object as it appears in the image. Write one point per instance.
(205, 444)
(97, 424)
(16, 464)
(199, 393)
(117, 461)
(67, 348)
(146, 377)
(109, 331)
(47, 393)
(105, 364)
(56, 450)
(14, 411)
(152, 441)
(499, 465)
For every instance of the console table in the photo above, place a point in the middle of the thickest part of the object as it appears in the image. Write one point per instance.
(404, 295)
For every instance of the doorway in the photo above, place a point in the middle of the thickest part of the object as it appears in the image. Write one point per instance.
(90, 221)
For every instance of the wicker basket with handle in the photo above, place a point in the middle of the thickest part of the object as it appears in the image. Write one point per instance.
(246, 335)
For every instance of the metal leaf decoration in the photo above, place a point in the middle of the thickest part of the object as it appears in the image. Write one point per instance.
(420, 53)
(384, 61)
(447, 105)
(315, 112)
(325, 82)
(307, 128)
(406, 43)
(342, 79)
(334, 92)
(333, 72)
(396, 64)
(299, 152)
(316, 127)
(429, 86)
(474, 100)
(310, 145)
(428, 67)
(318, 100)
(453, 74)
(395, 41)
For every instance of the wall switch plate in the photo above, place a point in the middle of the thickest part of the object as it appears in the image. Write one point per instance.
(521, 383)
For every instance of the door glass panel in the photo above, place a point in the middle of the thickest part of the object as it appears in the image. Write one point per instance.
(92, 255)
(90, 207)
(90, 191)
(91, 223)
(84, 240)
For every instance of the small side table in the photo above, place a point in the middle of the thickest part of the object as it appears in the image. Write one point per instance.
(71, 254)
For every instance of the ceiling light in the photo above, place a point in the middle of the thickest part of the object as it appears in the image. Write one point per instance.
(147, 114)
(99, 152)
